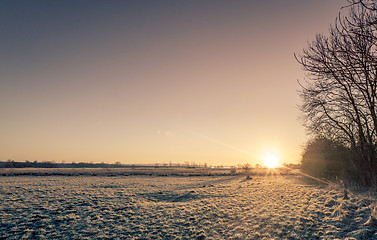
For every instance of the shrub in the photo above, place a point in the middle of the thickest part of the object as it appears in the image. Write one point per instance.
(325, 158)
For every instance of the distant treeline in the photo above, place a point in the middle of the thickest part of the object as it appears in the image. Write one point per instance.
(49, 164)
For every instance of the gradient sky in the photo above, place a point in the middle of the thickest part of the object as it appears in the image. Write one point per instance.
(154, 81)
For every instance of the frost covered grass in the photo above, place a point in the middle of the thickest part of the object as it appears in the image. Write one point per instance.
(177, 207)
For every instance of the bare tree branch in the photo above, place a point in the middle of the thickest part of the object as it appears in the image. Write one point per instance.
(339, 97)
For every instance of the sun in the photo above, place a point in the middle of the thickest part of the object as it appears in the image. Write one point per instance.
(270, 157)
(271, 161)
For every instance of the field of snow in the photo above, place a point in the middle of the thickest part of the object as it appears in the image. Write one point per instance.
(177, 207)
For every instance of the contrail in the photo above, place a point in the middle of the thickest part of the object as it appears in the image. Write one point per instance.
(222, 143)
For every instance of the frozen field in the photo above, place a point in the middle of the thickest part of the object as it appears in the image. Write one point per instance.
(147, 207)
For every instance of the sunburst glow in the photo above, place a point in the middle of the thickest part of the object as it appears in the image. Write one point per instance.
(271, 159)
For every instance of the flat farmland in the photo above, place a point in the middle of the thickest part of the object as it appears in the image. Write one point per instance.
(180, 207)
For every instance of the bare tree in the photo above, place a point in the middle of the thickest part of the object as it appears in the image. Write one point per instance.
(340, 93)
(367, 4)
(246, 167)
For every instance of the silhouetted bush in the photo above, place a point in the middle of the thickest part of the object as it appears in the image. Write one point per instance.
(325, 158)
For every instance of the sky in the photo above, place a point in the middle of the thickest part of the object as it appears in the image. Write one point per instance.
(154, 81)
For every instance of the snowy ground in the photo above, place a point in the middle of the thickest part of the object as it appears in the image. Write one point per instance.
(147, 207)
